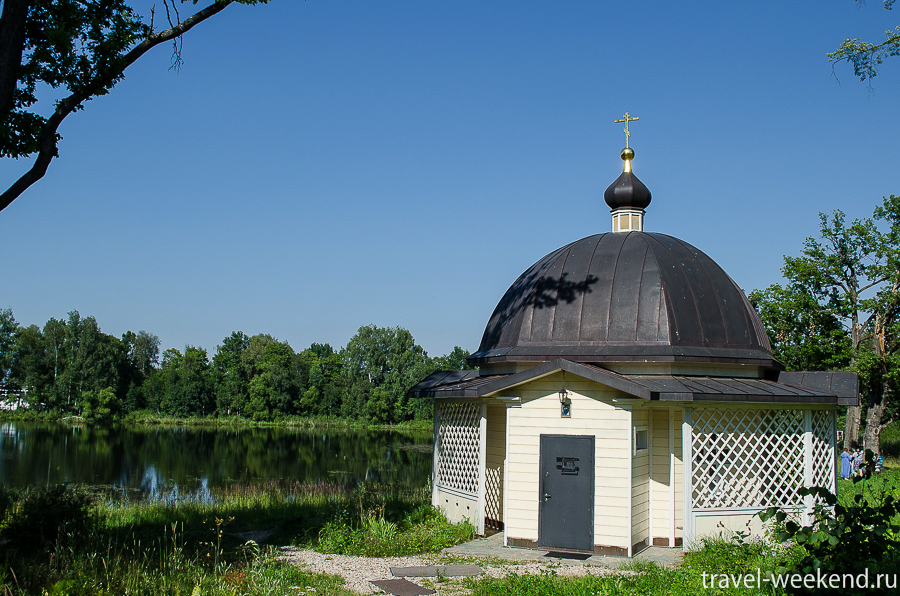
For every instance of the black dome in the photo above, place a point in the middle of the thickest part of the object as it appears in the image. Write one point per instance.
(631, 296)
(627, 191)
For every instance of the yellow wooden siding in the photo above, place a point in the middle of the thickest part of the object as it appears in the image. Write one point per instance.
(659, 482)
(640, 482)
(593, 413)
(679, 476)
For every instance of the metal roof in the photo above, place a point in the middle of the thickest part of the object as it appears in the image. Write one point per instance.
(467, 384)
(457, 383)
(632, 296)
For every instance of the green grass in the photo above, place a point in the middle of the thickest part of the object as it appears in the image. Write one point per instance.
(874, 489)
(890, 442)
(715, 556)
(108, 546)
(644, 579)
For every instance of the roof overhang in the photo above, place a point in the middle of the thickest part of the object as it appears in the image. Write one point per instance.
(790, 388)
(632, 352)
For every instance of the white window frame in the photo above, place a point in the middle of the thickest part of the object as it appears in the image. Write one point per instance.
(636, 450)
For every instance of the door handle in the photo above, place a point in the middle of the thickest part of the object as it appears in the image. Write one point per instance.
(546, 496)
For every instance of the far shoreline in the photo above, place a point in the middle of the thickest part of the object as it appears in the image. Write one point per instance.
(145, 417)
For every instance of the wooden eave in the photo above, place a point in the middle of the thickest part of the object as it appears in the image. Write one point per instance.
(790, 388)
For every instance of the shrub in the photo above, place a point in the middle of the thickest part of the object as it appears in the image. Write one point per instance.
(43, 517)
(857, 539)
(424, 530)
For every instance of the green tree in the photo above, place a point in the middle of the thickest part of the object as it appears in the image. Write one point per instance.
(455, 360)
(79, 47)
(8, 330)
(183, 386)
(804, 334)
(839, 309)
(323, 389)
(867, 57)
(380, 366)
(31, 368)
(275, 390)
(93, 361)
(142, 357)
(54, 334)
(879, 367)
(229, 374)
(101, 406)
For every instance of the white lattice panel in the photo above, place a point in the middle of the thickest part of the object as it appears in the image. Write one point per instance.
(492, 501)
(823, 458)
(746, 458)
(458, 447)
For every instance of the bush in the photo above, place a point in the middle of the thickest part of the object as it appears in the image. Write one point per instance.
(43, 517)
(856, 539)
(424, 530)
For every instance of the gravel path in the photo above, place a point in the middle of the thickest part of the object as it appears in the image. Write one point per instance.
(357, 571)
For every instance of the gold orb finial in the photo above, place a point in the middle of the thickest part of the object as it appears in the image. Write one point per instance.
(627, 153)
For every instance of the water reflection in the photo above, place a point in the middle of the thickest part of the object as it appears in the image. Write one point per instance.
(157, 460)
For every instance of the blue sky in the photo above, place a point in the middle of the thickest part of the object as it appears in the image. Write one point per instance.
(317, 166)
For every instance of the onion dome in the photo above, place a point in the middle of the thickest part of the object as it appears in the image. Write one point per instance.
(620, 297)
(627, 191)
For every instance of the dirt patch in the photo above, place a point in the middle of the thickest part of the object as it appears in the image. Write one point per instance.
(357, 571)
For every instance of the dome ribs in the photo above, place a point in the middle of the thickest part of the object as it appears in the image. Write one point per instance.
(572, 291)
(761, 338)
(545, 301)
(590, 275)
(506, 320)
(706, 295)
(682, 299)
(596, 305)
(729, 298)
(631, 296)
(626, 290)
(649, 310)
(534, 293)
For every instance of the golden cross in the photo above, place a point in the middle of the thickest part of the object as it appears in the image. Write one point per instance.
(626, 119)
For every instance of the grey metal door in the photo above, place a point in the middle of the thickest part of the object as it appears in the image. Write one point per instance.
(566, 512)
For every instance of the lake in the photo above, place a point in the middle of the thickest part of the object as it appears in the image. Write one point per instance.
(166, 460)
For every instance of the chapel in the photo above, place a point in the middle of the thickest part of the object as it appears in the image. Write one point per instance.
(626, 396)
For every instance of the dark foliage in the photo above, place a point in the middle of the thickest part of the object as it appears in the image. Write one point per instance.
(859, 540)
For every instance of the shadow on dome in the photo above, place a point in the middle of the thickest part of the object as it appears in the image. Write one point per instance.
(538, 291)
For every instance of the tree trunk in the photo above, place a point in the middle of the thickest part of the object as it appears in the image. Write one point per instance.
(854, 413)
(873, 420)
(851, 428)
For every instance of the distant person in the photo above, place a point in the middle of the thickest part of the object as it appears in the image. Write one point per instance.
(845, 463)
(859, 463)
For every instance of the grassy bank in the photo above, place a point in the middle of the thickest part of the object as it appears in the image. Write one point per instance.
(66, 540)
(148, 417)
(74, 541)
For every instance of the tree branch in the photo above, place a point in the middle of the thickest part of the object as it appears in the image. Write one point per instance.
(48, 137)
(890, 421)
(12, 43)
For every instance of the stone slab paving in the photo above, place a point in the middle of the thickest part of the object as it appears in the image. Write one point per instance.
(492, 547)
(401, 587)
(435, 570)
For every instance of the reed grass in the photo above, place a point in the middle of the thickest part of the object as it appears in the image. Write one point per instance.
(203, 544)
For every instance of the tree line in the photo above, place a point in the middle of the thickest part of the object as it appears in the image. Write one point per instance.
(839, 309)
(70, 367)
